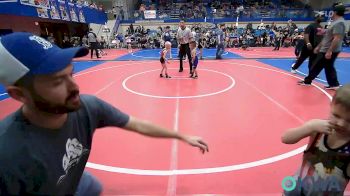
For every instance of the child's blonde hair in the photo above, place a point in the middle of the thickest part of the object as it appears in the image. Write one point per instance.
(167, 43)
(342, 97)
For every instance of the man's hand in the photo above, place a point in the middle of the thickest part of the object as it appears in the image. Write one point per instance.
(146, 128)
(328, 55)
(197, 142)
(317, 50)
(309, 46)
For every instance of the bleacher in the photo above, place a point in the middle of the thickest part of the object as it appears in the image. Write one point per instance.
(224, 10)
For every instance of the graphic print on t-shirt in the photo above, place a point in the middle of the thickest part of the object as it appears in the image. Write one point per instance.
(74, 151)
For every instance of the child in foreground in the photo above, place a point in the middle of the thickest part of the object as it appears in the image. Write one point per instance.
(325, 168)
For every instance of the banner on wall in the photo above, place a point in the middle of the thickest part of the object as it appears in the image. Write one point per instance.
(80, 2)
(73, 14)
(54, 13)
(150, 14)
(81, 15)
(42, 12)
(57, 10)
(63, 10)
(37, 3)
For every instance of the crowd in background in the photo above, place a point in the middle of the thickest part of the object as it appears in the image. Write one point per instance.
(262, 36)
(221, 9)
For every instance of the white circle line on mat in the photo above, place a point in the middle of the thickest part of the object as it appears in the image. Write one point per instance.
(178, 97)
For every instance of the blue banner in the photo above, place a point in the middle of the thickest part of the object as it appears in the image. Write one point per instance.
(54, 9)
(37, 3)
(81, 14)
(63, 10)
(73, 13)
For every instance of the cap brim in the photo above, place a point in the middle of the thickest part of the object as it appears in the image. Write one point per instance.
(59, 60)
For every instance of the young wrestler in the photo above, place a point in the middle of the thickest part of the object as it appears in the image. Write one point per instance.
(193, 48)
(163, 58)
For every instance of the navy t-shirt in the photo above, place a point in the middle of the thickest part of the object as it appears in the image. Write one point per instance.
(314, 36)
(37, 160)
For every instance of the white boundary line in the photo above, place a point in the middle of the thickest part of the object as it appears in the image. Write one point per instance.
(174, 152)
(196, 171)
(282, 72)
(304, 74)
(104, 88)
(274, 101)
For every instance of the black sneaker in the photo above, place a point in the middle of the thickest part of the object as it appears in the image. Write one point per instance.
(302, 82)
(332, 87)
(167, 76)
(161, 75)
(181, 69)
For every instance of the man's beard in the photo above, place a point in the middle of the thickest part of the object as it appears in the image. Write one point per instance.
(46, 106)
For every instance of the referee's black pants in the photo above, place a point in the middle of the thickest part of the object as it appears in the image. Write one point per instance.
(322, 63)
(185, 50)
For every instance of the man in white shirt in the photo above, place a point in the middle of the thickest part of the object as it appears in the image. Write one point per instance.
(184, 36)
(92, 39)
(221, 41)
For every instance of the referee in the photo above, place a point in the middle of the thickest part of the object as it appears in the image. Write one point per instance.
(184, 36)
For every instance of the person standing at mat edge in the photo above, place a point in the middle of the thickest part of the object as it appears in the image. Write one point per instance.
(328, 50)
(325, 169)
(221, 41)
(184, 36)
(92, 39)
(312, 36)
(45, 144)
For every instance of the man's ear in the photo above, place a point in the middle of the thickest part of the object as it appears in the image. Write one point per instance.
(17, 93)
